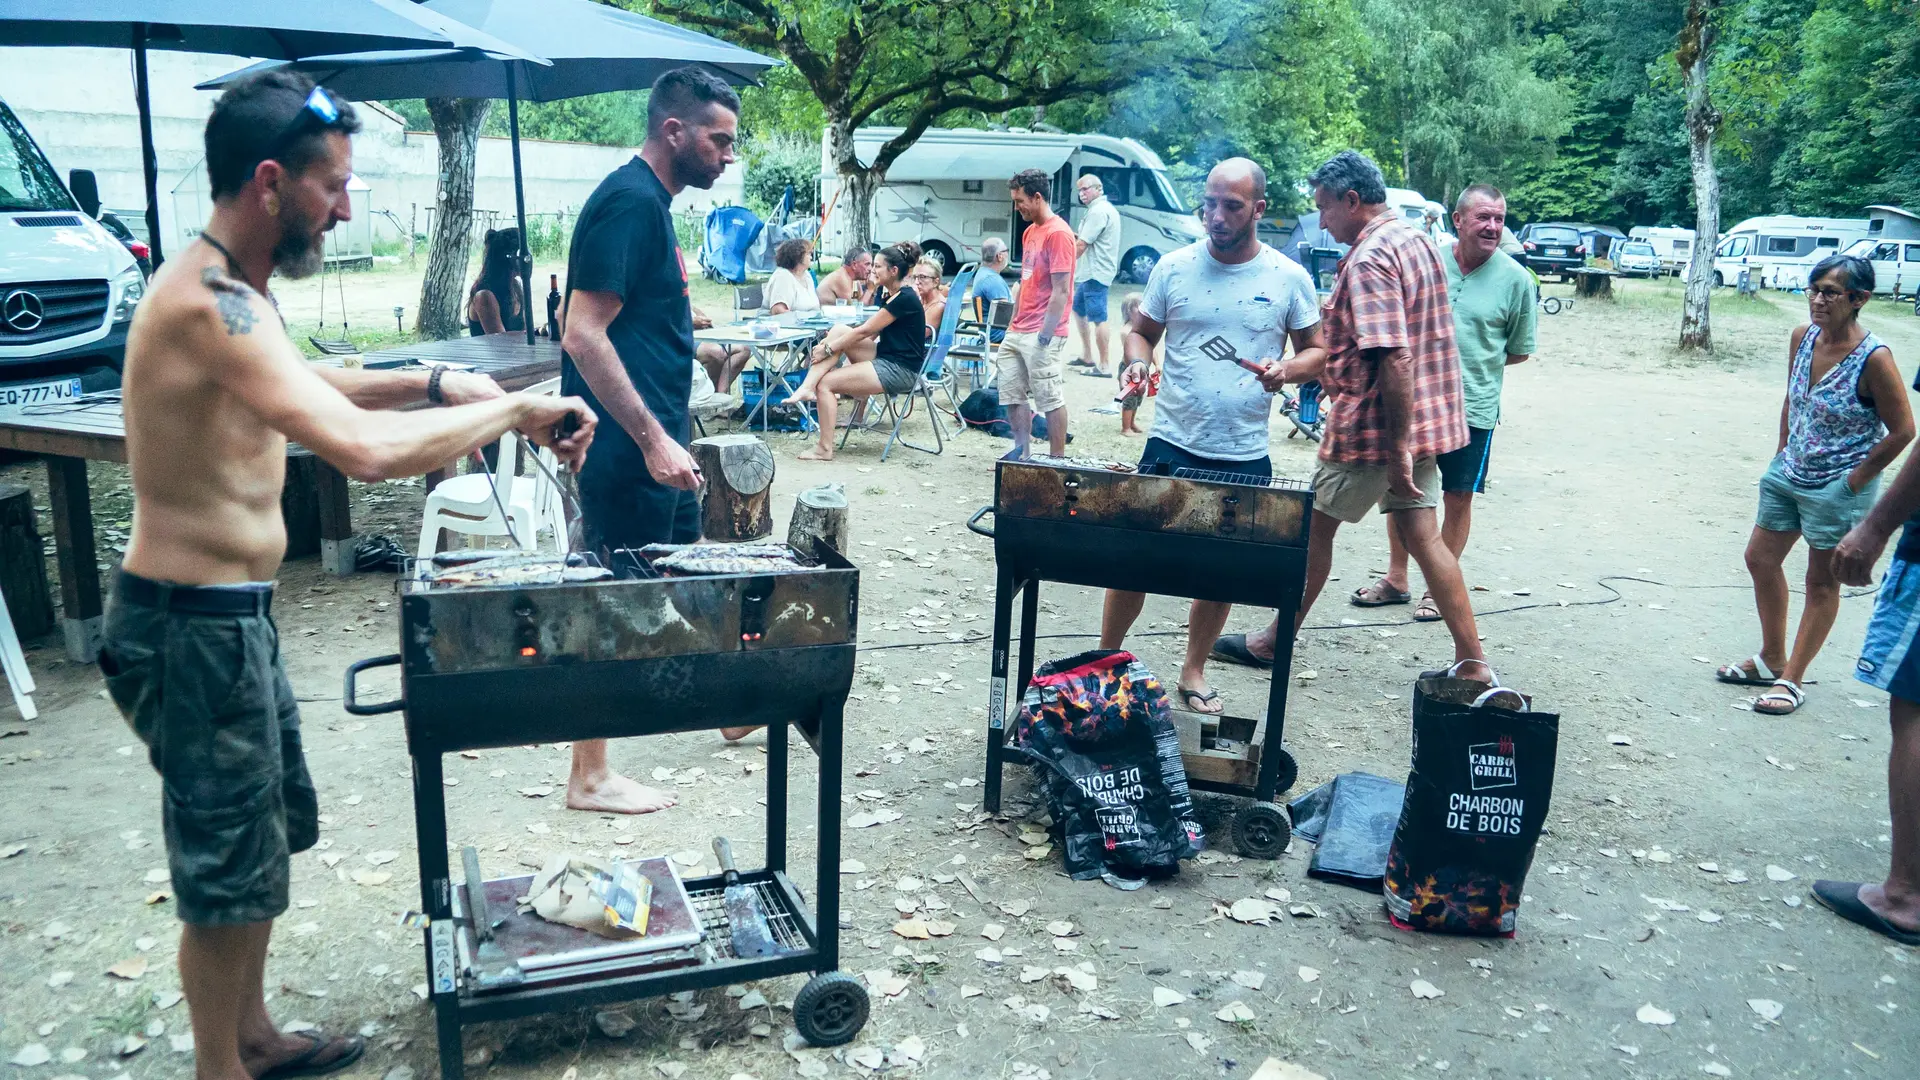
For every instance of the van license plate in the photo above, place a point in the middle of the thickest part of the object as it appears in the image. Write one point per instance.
(20, 395)
(1556, 251)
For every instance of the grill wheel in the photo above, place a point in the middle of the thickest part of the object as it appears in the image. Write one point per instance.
(1260, 831)
(831, 1009)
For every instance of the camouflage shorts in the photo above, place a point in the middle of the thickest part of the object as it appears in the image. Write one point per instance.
(209, 697)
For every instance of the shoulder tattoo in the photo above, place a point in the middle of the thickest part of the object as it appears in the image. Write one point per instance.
(232, 299)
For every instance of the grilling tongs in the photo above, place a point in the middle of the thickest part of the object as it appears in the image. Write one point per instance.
(492, 968)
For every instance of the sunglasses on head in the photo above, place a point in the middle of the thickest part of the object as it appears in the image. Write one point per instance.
(318, 106)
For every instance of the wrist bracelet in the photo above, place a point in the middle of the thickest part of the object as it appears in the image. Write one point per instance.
(433, 387)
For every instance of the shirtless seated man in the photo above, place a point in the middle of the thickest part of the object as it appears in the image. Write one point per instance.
(214, 388)
(851, 282)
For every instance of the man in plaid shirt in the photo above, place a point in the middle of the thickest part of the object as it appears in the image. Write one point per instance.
(1392, 374)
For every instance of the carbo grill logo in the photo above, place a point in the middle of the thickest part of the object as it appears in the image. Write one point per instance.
(1491, 764)
(22, 311)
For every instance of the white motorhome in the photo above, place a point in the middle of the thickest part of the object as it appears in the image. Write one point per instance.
(1674, 246)
(948, 192)
(67, 286)
(1779, 249)
(1892, 245)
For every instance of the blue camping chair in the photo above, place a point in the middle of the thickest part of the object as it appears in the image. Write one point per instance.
(932, 374)
(729, 232)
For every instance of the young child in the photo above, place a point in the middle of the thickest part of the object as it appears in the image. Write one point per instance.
(1138, 380)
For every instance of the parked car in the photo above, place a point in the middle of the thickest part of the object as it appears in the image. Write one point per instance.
(1552, 248)
(1637, 259)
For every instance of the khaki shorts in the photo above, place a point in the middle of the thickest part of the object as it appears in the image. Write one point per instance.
(1347, 492)
(1030, 374)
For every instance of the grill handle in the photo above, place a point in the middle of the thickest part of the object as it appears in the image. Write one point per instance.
(354, 669)
(974, 522)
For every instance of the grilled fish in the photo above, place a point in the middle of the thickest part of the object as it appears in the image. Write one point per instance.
(689, 565)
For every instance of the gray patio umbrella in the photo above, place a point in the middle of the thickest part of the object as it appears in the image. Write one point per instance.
(284, 29)
(591, 49)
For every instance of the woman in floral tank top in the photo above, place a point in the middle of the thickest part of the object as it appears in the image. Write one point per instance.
(1845, 418)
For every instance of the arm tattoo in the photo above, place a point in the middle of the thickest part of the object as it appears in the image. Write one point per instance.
(232, 300)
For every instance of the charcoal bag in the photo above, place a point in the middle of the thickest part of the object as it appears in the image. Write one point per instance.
(1476, 801)
(1094, 728)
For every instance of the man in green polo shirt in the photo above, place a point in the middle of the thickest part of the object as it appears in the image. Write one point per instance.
(1493, 323)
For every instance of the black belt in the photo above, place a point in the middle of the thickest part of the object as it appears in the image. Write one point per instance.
(193, 599)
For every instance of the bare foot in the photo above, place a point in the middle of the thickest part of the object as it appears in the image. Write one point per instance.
(804, 394)
(1201, 698)
(815, 453)
(735, 734)
(615, 795)
(1129, 432)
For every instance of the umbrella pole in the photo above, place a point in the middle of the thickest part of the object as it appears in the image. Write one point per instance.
(148, 164)
(520, 202)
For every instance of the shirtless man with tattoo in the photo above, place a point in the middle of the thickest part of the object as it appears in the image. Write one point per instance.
(214, 388)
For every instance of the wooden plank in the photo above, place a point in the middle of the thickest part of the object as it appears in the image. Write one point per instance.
(23, 564)
(336, 518)
(1221, 768)
(300, 506)
(74, 553)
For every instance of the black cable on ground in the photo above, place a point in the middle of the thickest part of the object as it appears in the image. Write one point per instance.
(1601, 581)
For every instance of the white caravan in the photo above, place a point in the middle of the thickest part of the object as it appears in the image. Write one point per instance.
(67, 286)
(1673, 245)
(1893, 247)
(948, 192)
(1779, 249)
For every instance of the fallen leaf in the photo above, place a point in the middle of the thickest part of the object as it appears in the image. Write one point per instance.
(1164, 997)
(371, 878)
(941, 928)
(913, 929)
(1652, 1014)
(381, 858)
(1308, 974)
(1714, 1068)
(992, 931)
(1252, 980)
(131, 968)
(1708, 916)
(1085, 981)
(1254, 911)
(1275, 1069)
(1423, 989)
(1017, 908)
(967, 991)
(32, 1054)
(913, 1048)
(1779, 873)
(1709, 867)
(159, 875)
(56, 930)
(1032, 973)
(1035, 854)
(538, 791)
(1765, 1008)
(11, 850)
(1278, 895)
(1060, 928)
(989, 954)
(1198, 1041)
(852, 866)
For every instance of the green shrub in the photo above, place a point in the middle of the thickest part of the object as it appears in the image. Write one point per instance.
(775, 161)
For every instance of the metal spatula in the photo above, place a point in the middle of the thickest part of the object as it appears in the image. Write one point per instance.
(1219, 348)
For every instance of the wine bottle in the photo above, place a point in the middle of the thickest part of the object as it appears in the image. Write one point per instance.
(553, 307)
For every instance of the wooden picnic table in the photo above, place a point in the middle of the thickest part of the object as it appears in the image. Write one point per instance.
(314, 501)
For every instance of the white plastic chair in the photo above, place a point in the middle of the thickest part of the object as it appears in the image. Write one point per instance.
(14, 661)
(465, 504)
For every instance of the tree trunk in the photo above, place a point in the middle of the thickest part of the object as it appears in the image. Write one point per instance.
(1695, 55)
(819, 516)
(443, 291)
(857, 185)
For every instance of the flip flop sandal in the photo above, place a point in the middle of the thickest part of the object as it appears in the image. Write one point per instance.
(1784, 691)
(1737, 674)
(1426, 610)
(1232, 649)
(1189, 696)
(1843, 899)
(305, 1065)
(1379, 594)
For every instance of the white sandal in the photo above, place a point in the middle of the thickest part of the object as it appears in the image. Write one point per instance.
(1736, 673)
(1784, 691)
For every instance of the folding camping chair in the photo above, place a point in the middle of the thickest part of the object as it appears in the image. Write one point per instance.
(932, 374)
(13, 665)
(975, 352)
(728, 234)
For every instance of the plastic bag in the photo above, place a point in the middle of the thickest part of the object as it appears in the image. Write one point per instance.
(1094, 728)
(1350, 820)
(1477, 798)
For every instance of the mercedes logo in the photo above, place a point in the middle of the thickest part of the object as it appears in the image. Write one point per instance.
(22, 311)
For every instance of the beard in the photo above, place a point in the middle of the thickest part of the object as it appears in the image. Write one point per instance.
(693, 170)
(300, 251)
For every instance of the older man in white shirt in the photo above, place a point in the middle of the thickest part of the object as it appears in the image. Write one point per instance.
(1097, 243)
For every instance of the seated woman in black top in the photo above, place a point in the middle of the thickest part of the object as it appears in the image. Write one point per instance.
(883, 355)
(497, 302)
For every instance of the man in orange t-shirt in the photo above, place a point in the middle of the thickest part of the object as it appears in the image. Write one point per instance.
(1030, 358)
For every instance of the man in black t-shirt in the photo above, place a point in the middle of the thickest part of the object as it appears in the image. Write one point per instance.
(628, 349)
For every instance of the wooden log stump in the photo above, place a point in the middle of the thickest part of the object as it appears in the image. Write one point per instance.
(819, 516)
(1592, 284)
(300, 506)
(23, 565)
(736, 491)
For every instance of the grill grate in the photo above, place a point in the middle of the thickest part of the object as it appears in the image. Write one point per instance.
(1216, 476)
(711, 908)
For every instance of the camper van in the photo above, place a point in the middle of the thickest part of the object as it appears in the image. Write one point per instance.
(1673, 246)
(948, 192)
(67, 286)
(1892, 245)
(1779, 249)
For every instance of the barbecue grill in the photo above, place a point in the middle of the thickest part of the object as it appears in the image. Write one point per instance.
(1185, 532)
(547, 653)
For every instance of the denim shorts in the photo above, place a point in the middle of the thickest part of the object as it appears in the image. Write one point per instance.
(1888, 659)
(1822, 514)
(209, 697)
(1090, 300)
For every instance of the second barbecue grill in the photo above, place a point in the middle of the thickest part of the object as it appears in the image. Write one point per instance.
(1193, 533)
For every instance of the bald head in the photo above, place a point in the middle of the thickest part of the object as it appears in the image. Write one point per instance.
(1235, 200)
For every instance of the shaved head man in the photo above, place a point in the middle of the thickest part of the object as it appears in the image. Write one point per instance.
(1213, 415)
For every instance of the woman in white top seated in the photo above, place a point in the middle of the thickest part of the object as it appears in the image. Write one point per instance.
(791, 287)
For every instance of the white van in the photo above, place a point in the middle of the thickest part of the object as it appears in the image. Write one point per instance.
(1674, 246)
(1779, 249)
(67, 286)
(1893, 247)
(948, 192)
